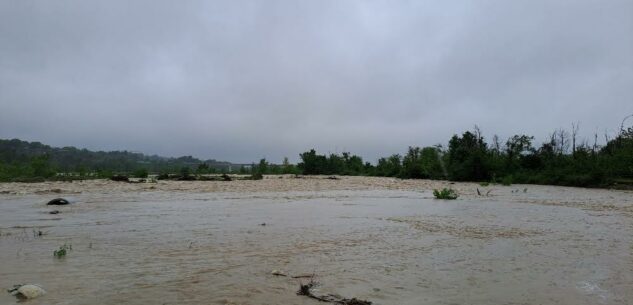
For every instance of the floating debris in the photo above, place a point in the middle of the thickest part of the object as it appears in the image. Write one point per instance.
(303, 276)
(278, 273)
(306, 290)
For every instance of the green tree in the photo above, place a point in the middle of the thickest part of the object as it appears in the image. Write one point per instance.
(312, 164)
(262, 167)
(389, 167)
(412, 164)
(431, 160)
(467, 158)
(516, 148)
(41, 167)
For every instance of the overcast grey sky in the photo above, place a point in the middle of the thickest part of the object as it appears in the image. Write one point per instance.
(242, 80)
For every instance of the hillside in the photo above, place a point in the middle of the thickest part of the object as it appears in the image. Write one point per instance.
(16, 154)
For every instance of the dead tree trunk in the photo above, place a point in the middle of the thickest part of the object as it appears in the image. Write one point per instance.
(574, 133)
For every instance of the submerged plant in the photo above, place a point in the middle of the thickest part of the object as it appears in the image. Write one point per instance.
(63, 250)
(445, 193)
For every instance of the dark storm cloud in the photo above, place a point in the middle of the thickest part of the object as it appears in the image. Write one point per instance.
(240, 80)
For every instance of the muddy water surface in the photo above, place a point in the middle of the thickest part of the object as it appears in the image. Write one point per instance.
(546, 245)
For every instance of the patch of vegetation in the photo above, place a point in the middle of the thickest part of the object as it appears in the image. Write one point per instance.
(185, 174)
(484, 184)
(163, 176)
(507, 181)
(445, 193)
(141, 173)
(120, 178)
(334, 164)
(62, 251)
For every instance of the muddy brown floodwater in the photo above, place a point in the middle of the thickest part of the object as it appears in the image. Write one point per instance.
(383, 240)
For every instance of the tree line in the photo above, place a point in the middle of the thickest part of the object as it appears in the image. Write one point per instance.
(561, 160)
(34, 161)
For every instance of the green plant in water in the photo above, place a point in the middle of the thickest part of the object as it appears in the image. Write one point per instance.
(63, 250)
(507, 181)
(445, 193)
(484, 183)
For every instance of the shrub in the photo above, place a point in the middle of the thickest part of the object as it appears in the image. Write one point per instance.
(141, 173)
(445, 193)
(62, 251)
(507, 180)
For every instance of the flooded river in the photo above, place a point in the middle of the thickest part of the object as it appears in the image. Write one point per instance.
(201, 243)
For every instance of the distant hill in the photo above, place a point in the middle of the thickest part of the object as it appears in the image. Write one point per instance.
(71, 159)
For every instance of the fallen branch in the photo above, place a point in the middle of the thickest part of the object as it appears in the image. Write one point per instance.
(306, 290)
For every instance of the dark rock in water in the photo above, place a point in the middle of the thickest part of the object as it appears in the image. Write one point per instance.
(53, 212)
(226, 177)
(58, 201)
(122, 178)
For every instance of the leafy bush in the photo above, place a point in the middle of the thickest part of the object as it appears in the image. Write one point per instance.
(445, 193)
(62, 251)
(185, 174)
(507, 181)
(141, 173)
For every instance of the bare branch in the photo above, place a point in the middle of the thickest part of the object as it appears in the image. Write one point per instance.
(624, 120)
